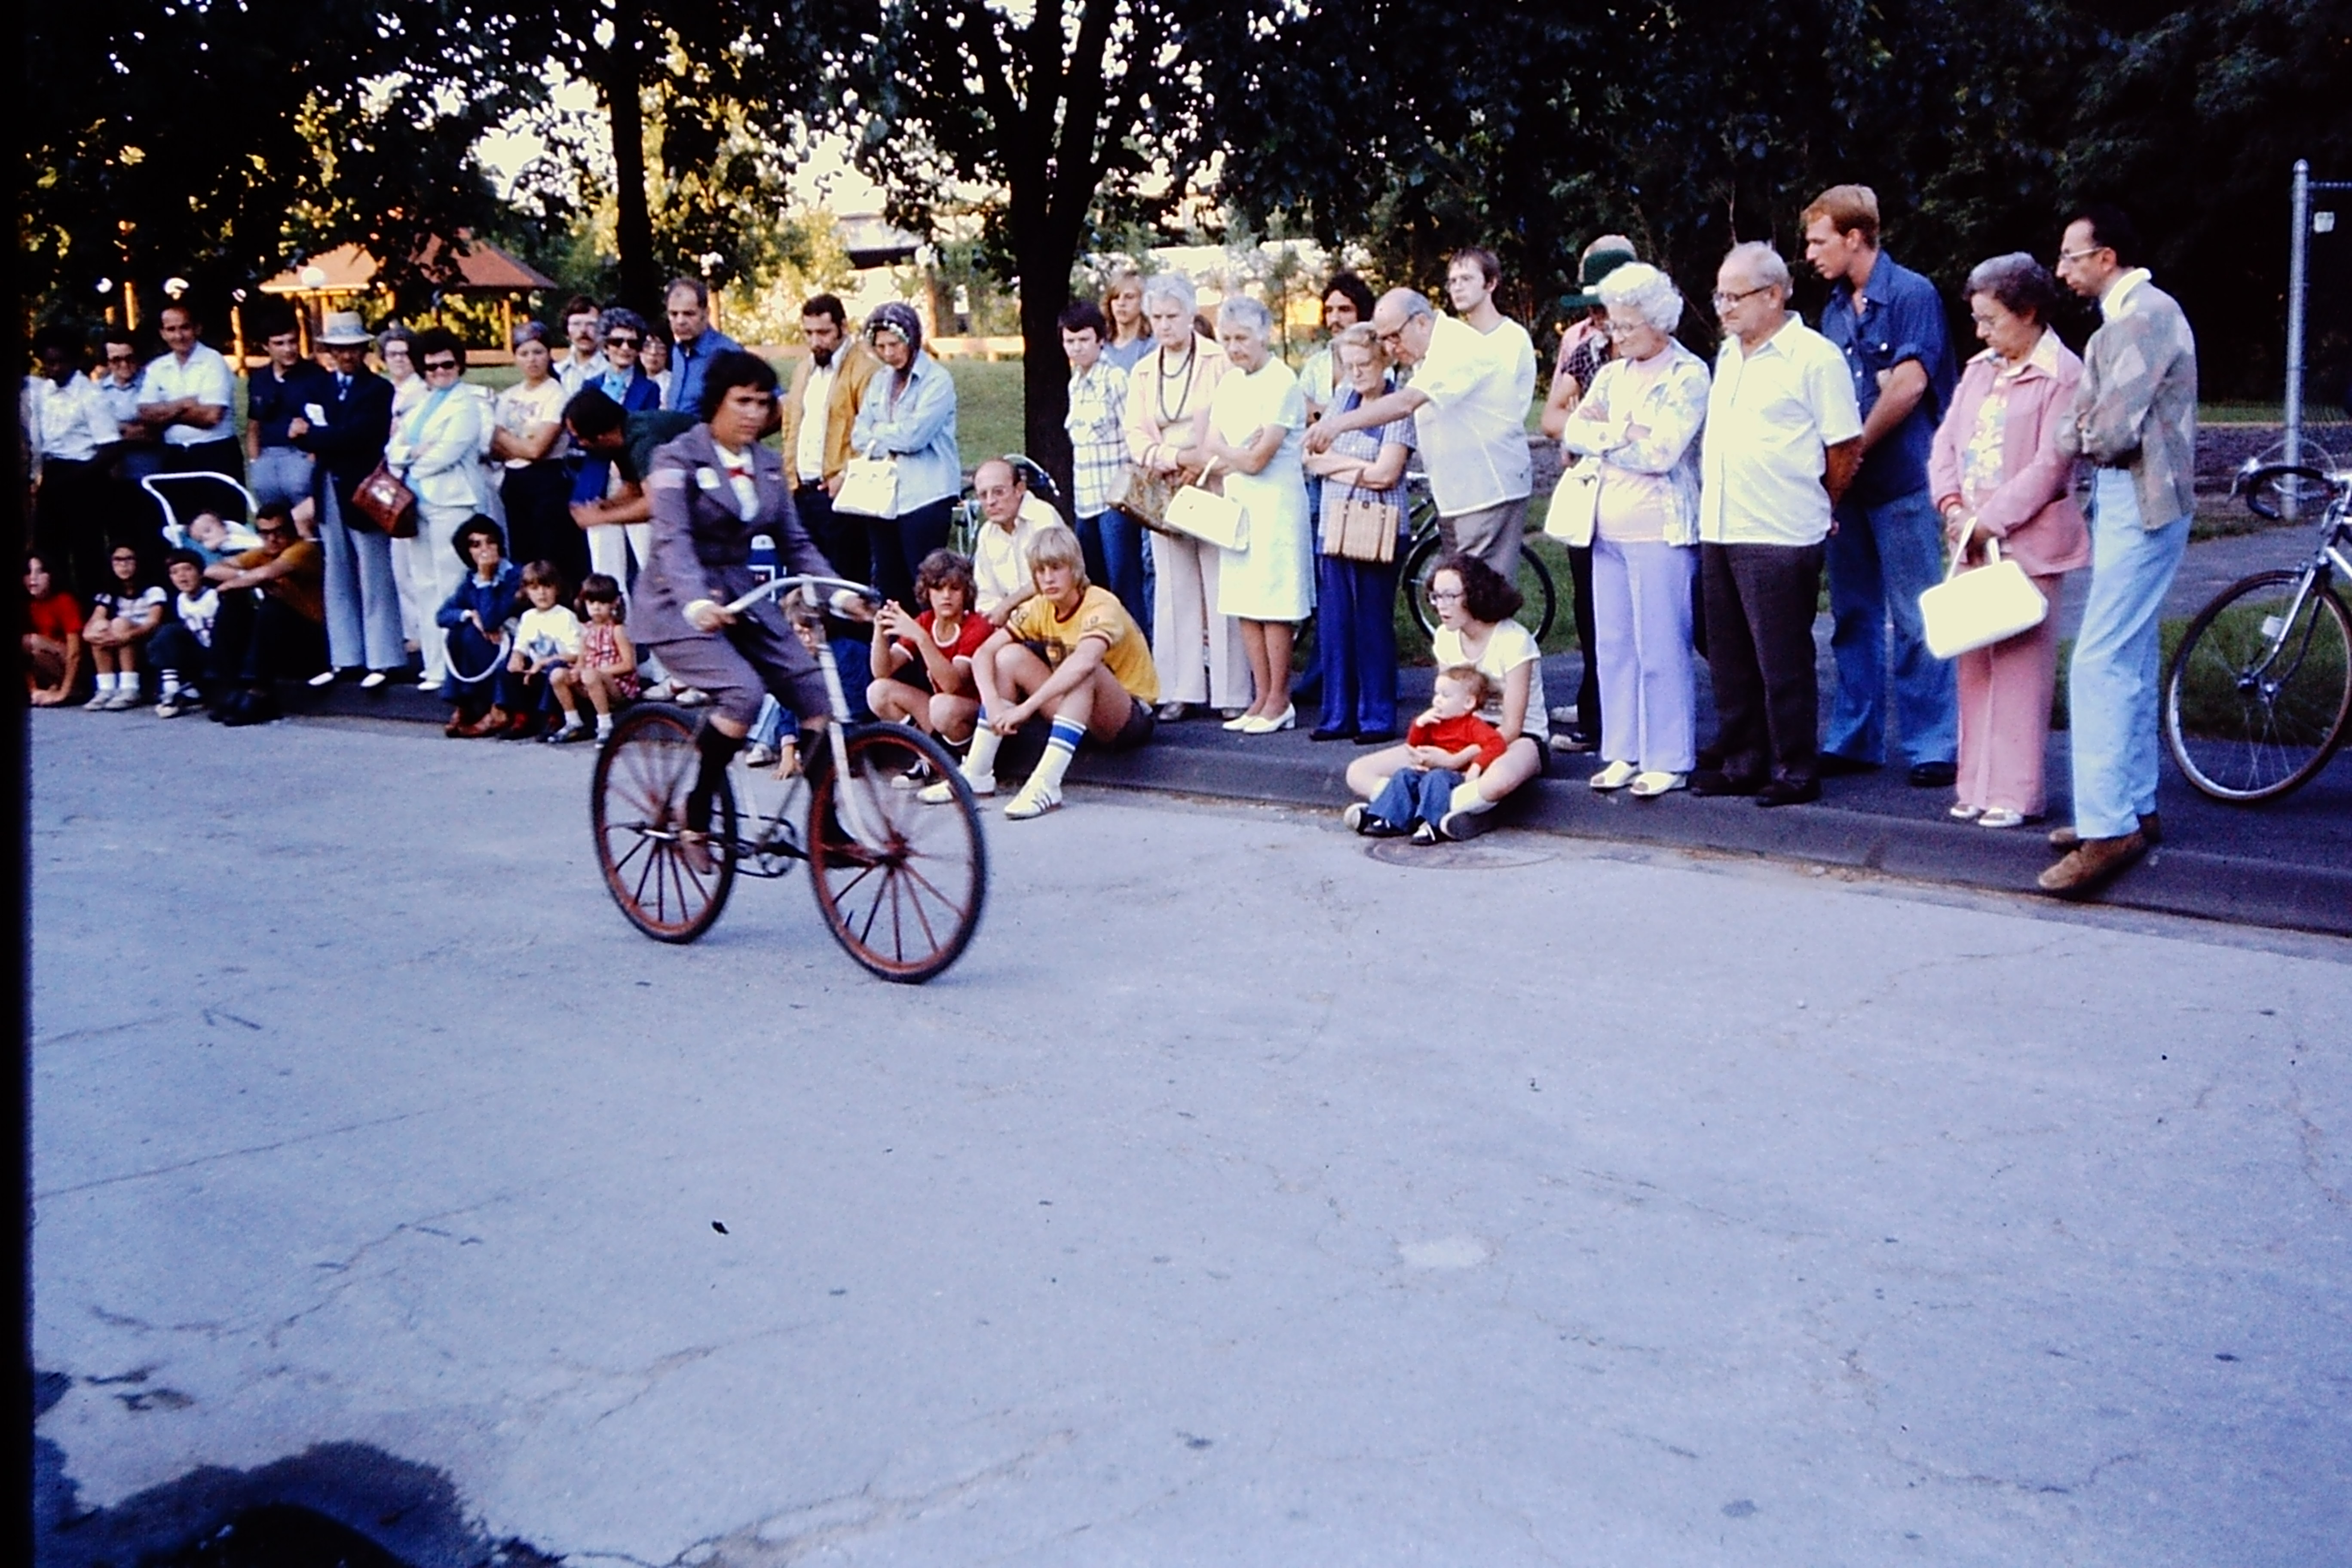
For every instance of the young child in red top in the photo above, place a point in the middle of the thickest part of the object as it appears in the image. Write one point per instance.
(922, 663)
(1450, 745)
(52, 637)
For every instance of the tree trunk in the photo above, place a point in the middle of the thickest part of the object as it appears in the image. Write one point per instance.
(623, 86)
(1044, 375)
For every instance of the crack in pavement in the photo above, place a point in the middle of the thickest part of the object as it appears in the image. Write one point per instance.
(191, 1164)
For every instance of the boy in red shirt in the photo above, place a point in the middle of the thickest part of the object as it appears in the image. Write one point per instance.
(1451, 744)
(52, 637)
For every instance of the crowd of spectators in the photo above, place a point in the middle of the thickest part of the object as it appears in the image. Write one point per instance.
(1701, 507)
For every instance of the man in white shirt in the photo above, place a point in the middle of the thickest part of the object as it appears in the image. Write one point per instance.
(189, 395)
(828, 388)
(66, 432)
(1010, 517)
(1782, 443)
(1469, 396)
(582, 362)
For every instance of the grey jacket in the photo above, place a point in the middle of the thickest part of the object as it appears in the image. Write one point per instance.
(2137, 406)
(702, 545)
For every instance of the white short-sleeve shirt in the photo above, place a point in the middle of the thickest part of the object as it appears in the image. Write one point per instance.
(70, 422)
(1772, 416)
(203, 375)
(1510, 646)
(1474, 428)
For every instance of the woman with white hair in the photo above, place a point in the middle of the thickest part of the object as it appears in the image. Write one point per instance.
(909, 413)
(1637, 427)
(1257, 435)
(1198, 650)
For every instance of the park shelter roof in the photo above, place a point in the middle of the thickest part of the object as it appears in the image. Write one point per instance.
(483, 267)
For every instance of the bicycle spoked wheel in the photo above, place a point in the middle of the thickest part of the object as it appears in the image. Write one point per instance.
(2256, 703)
(1534, 586)
(906, 901)
(669, 887)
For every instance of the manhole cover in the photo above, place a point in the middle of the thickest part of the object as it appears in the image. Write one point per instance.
(1484, 855)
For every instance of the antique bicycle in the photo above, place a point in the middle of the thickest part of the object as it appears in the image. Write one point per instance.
(2260, 694)
(901, 884)
(1425, 547)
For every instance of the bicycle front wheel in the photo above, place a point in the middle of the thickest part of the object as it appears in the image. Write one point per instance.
(2258, 694)
(670, 882)
(900, 883)
(1534, 586)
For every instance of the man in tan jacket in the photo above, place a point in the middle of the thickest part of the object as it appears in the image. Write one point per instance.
(832, 379)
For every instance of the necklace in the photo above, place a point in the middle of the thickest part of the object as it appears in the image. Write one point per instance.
(1192, 363)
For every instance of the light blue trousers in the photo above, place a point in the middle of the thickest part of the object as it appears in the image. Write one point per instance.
(1881, 558)
(362, 596)
(2116, 680)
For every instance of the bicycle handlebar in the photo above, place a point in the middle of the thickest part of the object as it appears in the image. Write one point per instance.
(776, 586)
(2260, 485)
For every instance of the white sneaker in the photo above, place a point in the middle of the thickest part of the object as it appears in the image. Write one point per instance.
(1616, 776)
(759, 755)
(943, 791)
(1032, 801)
(99, 702)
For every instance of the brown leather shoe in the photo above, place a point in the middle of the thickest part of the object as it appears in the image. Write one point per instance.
(488, 724)
(2151, 827)
(455, 728)
(2092, 865)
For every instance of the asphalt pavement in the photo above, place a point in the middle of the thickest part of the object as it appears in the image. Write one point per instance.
(1248, 1193)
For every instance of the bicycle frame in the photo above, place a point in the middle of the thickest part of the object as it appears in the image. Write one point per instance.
(855, 815)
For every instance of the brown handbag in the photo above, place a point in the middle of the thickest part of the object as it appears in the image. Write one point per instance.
(386, 502)
(1144, 496)
(1363, 529)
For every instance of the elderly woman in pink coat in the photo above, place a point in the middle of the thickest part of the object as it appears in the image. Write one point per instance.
(1996, 475)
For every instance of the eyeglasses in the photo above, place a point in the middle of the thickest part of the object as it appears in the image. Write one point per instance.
(623, 340)
(1445, 596)
(1724, 300)
(433, 364)
(1614, 330)
(2085, 254)
(124, 556)
(113, 358)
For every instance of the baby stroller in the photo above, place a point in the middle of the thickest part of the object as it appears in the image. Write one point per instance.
(185, 497)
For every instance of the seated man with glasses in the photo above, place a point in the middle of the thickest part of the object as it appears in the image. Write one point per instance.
(272, 620)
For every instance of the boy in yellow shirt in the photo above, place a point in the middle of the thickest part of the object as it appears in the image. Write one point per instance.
(1071, 653)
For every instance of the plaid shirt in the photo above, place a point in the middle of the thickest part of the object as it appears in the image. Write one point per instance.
(1097, 442)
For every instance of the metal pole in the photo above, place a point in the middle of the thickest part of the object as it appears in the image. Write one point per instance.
(2295, 289)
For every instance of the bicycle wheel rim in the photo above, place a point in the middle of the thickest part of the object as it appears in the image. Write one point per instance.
(637, 804)
(910, 911)
(2256, 703)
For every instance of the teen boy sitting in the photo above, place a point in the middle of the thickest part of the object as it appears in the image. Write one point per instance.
(1072, 654)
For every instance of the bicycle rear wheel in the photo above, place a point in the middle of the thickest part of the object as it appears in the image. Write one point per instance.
(1534, 584)
(906, 904)
(2256, 701)
(670, 889)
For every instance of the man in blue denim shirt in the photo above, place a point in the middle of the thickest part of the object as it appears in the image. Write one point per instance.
(1887, 546)
(694, 343)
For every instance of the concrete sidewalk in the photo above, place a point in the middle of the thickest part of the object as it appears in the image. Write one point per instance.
(2287, 865)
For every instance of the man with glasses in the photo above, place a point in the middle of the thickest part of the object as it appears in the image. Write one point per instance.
(627, 387)
(1888, 547)
(272, 620)
(1781, 446)
(1468, 398)
(2135, 419)
(581, 364)
(189, 395)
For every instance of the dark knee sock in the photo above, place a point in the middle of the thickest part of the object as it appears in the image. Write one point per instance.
(716, 749)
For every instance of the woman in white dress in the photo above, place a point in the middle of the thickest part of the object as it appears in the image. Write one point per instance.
(1199, 651)
(1256, 434)
(436, 450)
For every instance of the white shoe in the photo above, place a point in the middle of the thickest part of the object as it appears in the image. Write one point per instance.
(2001, 816)
(324, 677)
(1032, 801)
(1461, 824)
(171, 706)
(1238, 722)
(371, 679)
(759, 755)
(660, 692)
(1651, 785)
(428, 683)
(1616, 776)
(943, 791)
(692, 697)
(99, 702)
(1286, 719)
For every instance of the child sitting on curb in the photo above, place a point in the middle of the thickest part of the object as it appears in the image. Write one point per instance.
(1449, 747)
(606, 668)
(121, 619)
(546, 640)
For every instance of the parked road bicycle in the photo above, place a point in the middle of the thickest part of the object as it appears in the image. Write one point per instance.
(2259, 693)
(1424, 548)
(901, 884)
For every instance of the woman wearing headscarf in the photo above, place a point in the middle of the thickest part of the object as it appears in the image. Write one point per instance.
(909, 414)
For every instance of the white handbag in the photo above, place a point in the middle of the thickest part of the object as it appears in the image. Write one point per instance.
(869, 487)
(1208, 516)
(1974, 609)
(1574, 502)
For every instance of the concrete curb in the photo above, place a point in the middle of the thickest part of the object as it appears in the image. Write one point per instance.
(1901, 833)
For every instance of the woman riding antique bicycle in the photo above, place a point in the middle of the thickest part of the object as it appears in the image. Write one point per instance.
(900, 887)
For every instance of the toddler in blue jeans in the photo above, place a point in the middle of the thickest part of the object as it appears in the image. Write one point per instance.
(1450, 745)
